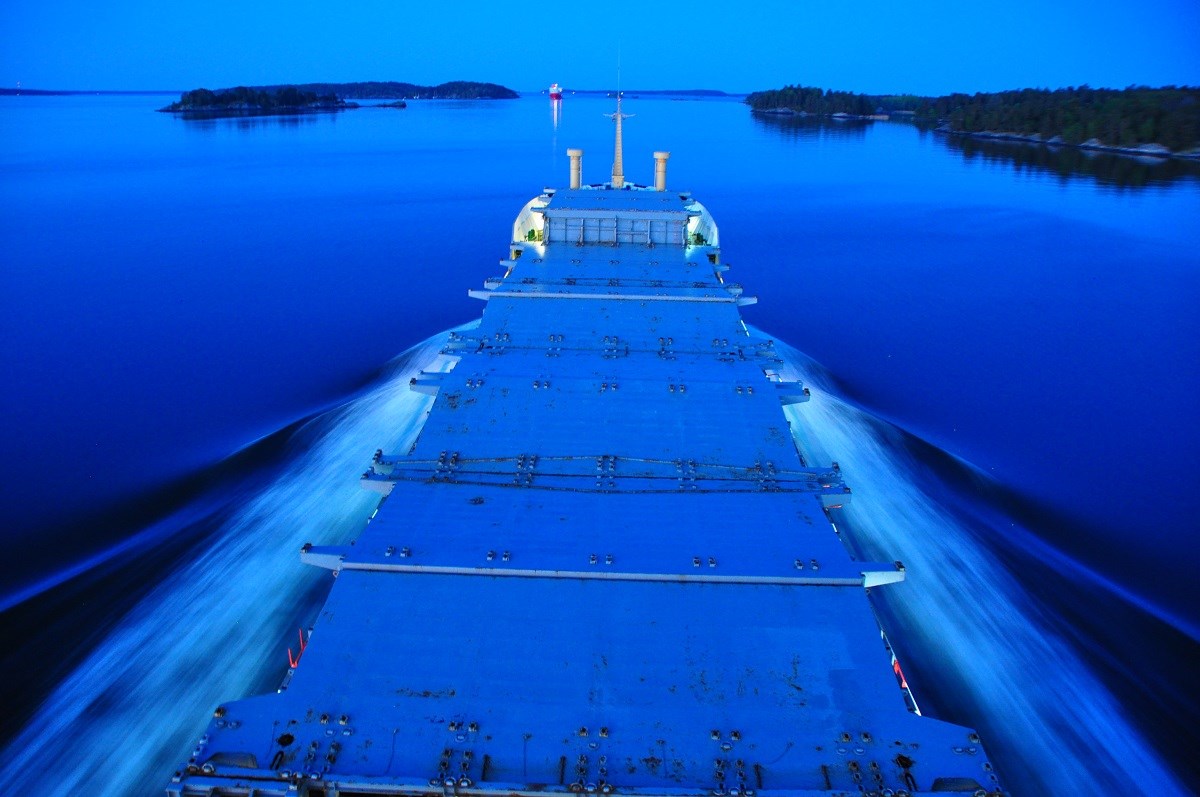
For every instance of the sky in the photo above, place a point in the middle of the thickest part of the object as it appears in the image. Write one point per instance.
(871, 46)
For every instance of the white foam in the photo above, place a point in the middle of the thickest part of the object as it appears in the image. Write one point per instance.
(131, 712)
(1051, 724)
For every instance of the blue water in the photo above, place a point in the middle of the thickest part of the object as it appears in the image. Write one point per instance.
(198, 327)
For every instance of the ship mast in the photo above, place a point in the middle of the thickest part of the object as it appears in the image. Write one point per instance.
(618, 170)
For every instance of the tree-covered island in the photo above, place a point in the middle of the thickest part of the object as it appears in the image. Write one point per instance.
(318, 97)
(246, 100)
(813, 101)
(1137, 120)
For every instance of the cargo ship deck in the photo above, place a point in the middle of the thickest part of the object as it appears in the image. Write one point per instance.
(604, 566)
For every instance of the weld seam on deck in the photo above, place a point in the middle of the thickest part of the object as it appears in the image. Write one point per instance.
(509, 483)
(585, 575)
(636, 297)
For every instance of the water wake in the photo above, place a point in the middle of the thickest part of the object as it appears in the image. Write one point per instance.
(1051, 724)
(129, 714)
(148, 537)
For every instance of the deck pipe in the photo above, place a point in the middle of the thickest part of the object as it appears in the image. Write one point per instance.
(660, 170)
(576, 156)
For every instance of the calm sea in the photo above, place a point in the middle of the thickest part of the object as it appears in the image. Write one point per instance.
(180, 300)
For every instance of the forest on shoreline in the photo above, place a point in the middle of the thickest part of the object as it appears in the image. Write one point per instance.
(1117, 118)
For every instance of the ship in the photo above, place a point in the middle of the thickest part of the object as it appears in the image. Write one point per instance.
(605, 566)
(556, 91)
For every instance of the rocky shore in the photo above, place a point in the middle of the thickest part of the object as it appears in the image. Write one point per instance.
(1094, 144)
(806, 114)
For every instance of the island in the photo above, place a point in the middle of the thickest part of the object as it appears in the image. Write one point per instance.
(322, 97)
(1139, 121)
(813, 101)
(256, 101)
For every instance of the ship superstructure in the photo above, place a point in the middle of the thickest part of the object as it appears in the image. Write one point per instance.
(604, 566)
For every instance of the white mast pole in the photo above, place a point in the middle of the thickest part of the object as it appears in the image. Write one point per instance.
(618, 170)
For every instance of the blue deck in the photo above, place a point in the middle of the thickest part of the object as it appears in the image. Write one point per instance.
(603, 566)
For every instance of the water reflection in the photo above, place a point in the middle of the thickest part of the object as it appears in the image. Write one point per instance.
(1106, 168)
(556, 112)
(211, 120)
(813, 127)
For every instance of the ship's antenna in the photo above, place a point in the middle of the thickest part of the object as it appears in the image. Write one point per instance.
(618, 170)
